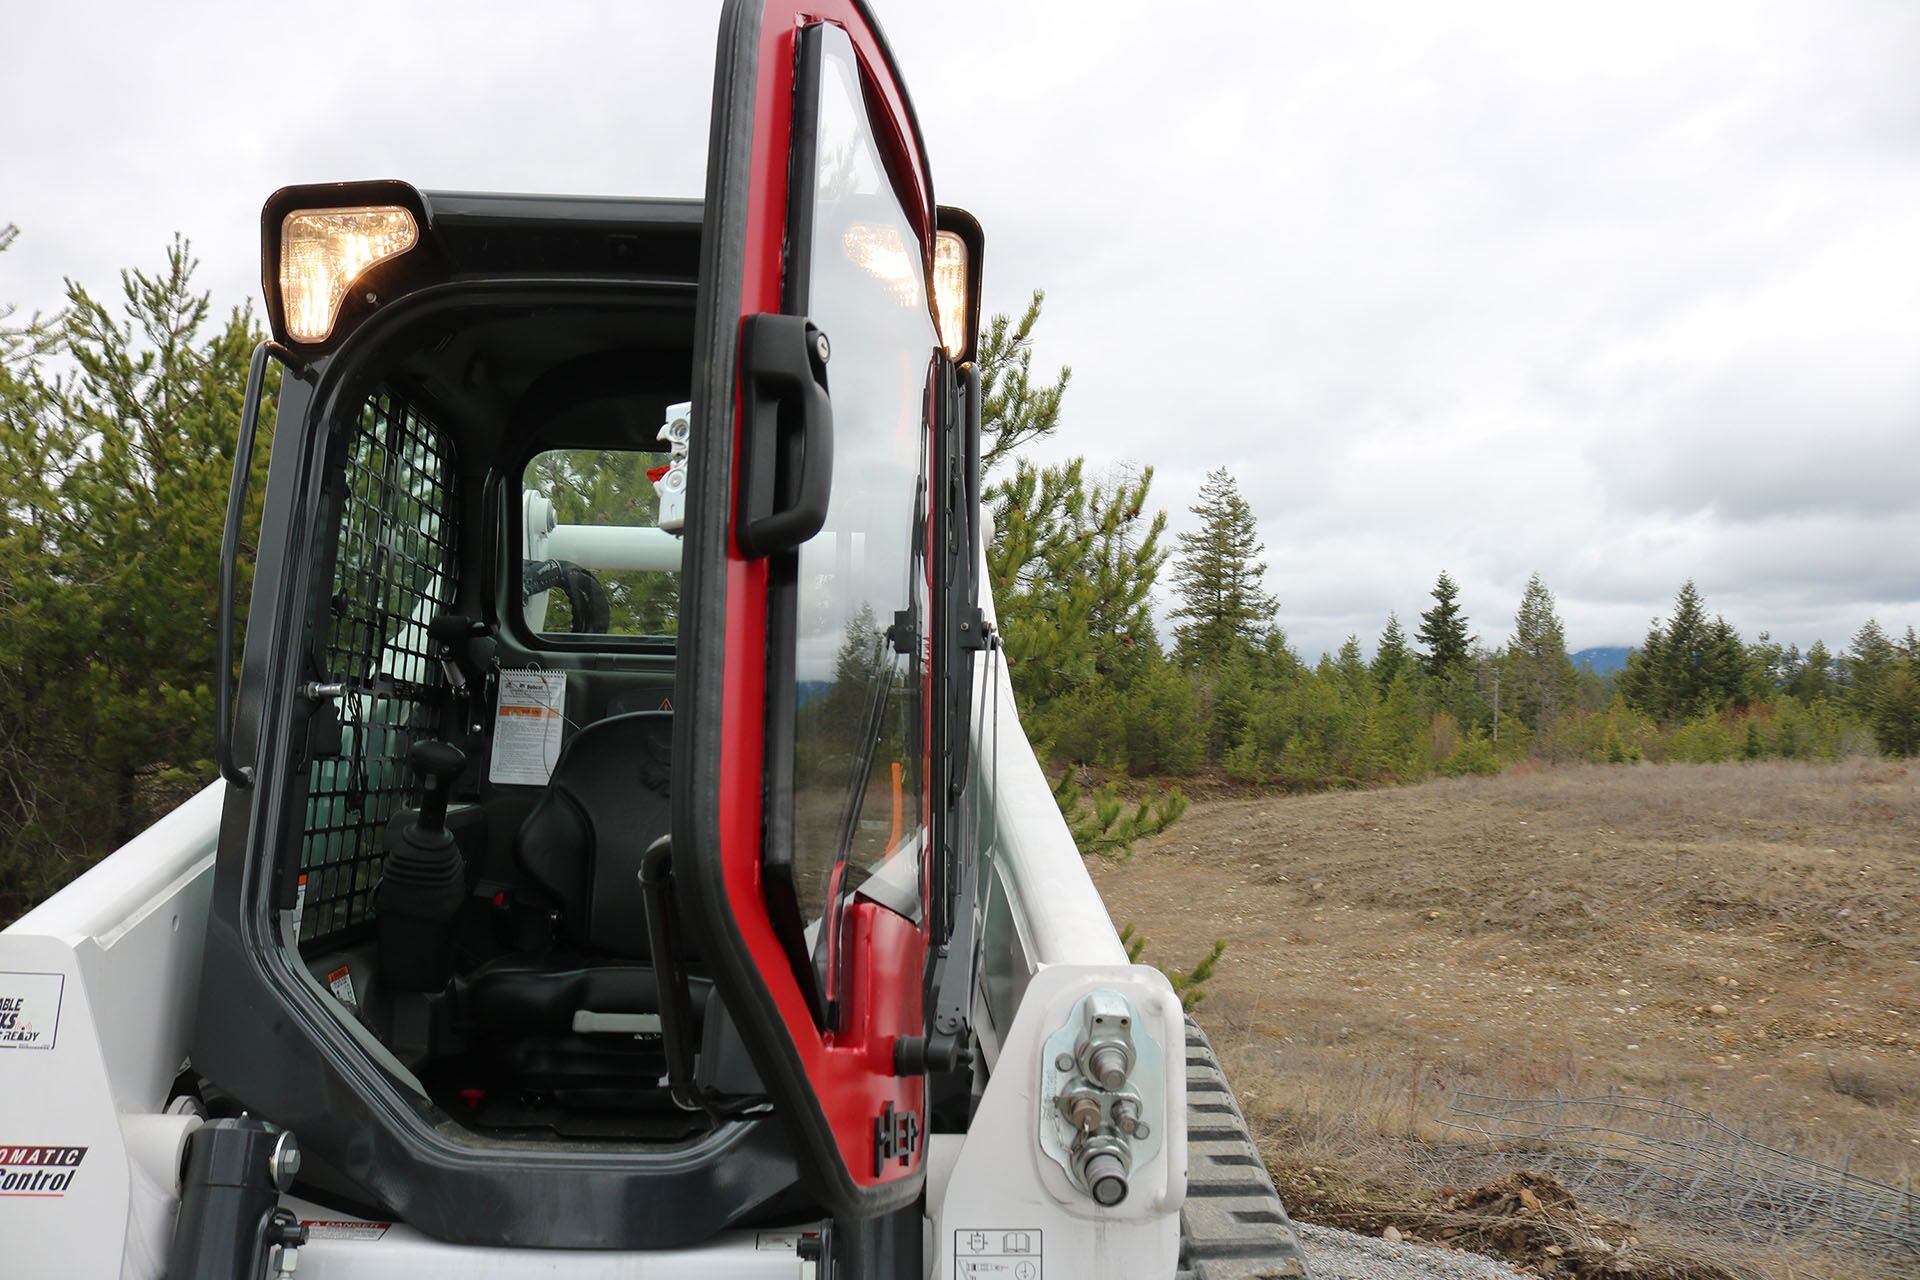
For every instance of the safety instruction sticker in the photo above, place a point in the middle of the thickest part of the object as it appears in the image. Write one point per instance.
(30, 1009)
(527, 727)
(340, 982)
(997, 1254)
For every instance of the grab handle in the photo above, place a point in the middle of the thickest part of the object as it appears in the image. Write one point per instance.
(786, 419)
(237, 775)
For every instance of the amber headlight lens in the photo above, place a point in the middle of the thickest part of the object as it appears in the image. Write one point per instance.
(950, 290)
(323, 251)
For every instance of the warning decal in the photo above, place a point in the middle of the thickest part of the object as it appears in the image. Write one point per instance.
(997, 1254)
(30, 1009)
(527, 727)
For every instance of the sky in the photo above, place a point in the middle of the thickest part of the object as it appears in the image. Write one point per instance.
(1619, 293)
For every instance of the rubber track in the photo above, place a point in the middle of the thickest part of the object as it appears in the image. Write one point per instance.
(1233, 1226)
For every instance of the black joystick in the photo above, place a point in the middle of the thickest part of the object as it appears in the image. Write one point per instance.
(424, 880)
(438, 764)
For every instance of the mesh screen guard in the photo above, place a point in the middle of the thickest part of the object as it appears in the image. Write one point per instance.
(395, 569)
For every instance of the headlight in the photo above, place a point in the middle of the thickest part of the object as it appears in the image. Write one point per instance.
(950, 290)
(322, 253)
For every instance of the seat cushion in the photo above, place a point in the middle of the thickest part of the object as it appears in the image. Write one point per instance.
(539, 995)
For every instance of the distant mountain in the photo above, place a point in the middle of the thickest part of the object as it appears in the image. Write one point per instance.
(1603, 660)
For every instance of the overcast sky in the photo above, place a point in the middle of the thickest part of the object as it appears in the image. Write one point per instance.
(1622, 293)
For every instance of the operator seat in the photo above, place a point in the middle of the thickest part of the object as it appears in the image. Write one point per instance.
(560, 1014)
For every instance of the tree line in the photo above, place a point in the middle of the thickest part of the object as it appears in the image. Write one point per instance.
(1076, 563)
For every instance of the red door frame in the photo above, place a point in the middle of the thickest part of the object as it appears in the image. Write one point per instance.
(858, 1127)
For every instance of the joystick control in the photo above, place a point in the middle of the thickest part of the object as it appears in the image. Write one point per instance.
(424, 880)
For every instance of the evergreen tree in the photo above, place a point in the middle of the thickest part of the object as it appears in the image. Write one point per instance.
(1868, 662)
(115, 458)
(1073, 565)
(1811, 679)
(1896, 713)
(1443, 633)
(1351, 668)
(1015, 410)
(1689, 666)
(1220, 577)
(1542, 675)
(1392, 658)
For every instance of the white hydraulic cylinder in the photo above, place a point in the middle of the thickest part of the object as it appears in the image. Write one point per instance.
(611, 548)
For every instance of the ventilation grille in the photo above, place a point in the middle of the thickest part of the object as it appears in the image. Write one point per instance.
(394, 571)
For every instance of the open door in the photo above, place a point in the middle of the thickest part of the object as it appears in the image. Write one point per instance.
(802, 761)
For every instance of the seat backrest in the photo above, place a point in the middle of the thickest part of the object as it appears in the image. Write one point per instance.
(606, 802)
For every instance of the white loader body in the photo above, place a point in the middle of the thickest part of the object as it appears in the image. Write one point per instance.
(101, 980)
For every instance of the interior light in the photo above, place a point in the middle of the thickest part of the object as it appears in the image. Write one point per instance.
(323, 251)
(882, 253)
(950, 290)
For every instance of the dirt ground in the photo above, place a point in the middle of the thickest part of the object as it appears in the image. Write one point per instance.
(1740, 938)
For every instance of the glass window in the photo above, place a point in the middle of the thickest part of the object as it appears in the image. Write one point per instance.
(860, 583)
(594, 560)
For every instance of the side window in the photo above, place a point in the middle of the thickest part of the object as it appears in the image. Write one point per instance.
(594, 560)
(393, 573)
(860, 583)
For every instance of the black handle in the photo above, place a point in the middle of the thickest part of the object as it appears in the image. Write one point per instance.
(438, 764)
(236, 775)
(786, 456)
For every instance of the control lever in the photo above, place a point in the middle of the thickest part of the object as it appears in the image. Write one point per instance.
(438, 763)
(424, 881)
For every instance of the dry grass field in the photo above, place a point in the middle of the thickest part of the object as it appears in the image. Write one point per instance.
(1742, 938)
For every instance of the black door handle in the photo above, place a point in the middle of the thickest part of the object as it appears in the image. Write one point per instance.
(786, 455)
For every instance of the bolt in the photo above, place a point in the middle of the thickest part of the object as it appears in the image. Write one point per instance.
(1126, 1115)
(1064, 1062)
(821, 347)
(283, 1162)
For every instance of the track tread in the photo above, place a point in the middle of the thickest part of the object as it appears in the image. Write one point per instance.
(1233, 1226)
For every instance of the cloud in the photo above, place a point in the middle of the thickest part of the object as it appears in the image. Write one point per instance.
(1622, 294)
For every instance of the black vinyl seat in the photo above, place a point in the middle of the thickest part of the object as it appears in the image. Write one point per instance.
(606, 802)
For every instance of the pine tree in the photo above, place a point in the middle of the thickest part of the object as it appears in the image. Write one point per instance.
(1443, 633)
(1811, 679)
(1689, 665)
(1868, 662)
(115, 459)
(1014, 409)
(1351, 668)
(1542, 675)
(1392, 657)
(1073, 565)
(1219, 577)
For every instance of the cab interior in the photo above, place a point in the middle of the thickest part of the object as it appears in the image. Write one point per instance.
(491, 632)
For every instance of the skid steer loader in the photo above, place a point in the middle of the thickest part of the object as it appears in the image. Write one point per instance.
(627, 861)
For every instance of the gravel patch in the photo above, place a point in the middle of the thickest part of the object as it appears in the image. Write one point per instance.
(1341, 1255)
